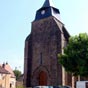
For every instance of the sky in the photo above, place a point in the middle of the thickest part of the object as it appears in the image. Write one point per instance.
(15, 24)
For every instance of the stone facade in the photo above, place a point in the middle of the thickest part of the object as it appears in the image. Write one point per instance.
(47, 39)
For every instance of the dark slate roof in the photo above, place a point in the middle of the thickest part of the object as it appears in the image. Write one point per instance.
(48, 3)
(3, 71)
(49, 9)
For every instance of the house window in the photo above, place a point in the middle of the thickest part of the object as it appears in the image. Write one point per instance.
(3, 76)
(0, 76)
(12, 82)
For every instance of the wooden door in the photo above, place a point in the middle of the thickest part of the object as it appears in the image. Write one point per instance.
(42, 78)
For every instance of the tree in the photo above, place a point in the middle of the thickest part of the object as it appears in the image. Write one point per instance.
(17, 73)
(75, 57)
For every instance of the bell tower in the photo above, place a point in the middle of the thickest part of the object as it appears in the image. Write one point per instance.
(47, 39)
(48, 9)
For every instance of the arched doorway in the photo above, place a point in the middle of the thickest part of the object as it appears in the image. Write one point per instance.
(42, 78)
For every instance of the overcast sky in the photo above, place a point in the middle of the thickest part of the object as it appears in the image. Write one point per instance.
(15, 24)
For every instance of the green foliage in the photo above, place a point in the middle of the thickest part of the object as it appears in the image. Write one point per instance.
(75, 57)
(17, 73)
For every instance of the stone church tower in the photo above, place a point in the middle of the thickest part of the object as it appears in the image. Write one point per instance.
(47, 39)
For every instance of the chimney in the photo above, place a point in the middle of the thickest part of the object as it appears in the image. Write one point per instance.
(6, 63)
(3, 65)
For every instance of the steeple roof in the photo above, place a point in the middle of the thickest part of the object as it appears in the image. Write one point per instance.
(48, 9)
(48, 3)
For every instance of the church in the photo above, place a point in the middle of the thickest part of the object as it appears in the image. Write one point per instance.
(47, 39)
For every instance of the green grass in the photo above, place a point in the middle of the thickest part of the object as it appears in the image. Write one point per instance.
(20, 87)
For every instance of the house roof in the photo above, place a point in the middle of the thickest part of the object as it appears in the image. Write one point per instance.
(3, 71)
(9, 69)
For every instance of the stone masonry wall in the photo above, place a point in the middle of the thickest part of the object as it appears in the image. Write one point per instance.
(47, 40)
(42, 49)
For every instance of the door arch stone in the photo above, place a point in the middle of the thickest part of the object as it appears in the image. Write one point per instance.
(38, 73)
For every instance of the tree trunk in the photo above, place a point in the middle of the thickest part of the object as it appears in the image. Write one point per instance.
(78, 77)
(74, 80)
